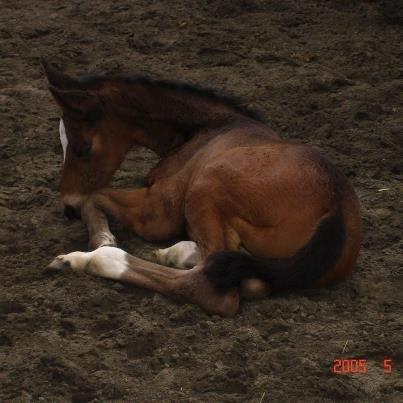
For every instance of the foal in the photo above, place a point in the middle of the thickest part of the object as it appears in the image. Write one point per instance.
(262, 213)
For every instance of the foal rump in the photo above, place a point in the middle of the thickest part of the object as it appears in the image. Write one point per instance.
(227, 269)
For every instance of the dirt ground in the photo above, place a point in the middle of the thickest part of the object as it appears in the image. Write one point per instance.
(326, 72)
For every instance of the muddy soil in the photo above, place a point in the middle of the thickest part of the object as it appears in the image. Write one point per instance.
(326, 72)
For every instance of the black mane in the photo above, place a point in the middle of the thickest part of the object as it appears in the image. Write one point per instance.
(235, 103)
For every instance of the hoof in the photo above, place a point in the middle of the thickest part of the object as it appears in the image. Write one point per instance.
(57, 264)
(159, 256)
(253, 288)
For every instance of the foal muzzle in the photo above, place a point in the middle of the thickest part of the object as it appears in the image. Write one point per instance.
(71, 213)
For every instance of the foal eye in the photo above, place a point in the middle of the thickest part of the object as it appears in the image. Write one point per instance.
(83, 151)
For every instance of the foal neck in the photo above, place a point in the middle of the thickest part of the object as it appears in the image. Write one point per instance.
(167, 113)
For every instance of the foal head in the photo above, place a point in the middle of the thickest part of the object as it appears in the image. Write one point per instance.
(94, 142)
(103, 116)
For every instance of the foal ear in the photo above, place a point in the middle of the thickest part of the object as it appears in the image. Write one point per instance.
(58, 79)
(81, 103)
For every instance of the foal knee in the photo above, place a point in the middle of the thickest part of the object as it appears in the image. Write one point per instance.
(253, 288)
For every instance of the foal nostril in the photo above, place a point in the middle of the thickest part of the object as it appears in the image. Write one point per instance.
(71, 213)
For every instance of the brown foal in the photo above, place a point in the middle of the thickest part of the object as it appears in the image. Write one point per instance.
(263, 213)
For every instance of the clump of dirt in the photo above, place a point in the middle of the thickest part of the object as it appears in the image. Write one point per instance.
(324, 72)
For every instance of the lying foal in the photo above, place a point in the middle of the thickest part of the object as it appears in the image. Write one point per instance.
(262, 213)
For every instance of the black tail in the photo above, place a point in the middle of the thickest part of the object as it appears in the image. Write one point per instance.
(228, 269)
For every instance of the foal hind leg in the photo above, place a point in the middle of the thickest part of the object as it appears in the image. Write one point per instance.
(211, 232)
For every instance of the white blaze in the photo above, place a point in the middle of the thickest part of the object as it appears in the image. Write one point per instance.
(63, 138)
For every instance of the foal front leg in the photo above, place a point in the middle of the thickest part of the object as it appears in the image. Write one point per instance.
(99, 233)
(152, 213)
(186, 285)
(183, 255)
